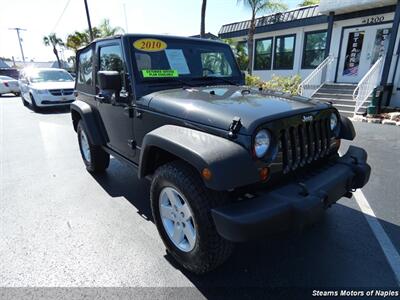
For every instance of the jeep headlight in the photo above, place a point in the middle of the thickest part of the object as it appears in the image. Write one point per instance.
(262, 142)
(334, 121)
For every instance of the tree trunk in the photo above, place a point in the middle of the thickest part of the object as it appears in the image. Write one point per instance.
(250, 42)
(58, 59)
(203, 19)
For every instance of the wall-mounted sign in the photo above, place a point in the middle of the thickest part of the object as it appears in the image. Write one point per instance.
(380, 44)
(353, 53)
(373, 20)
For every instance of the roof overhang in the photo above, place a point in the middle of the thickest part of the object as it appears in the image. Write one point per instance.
(347, 6)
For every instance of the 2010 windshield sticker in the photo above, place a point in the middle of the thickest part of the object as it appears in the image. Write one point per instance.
(159, 73)
(150, 45)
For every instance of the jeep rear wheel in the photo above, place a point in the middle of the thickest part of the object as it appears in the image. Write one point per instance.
(181, 206)
(95, 158)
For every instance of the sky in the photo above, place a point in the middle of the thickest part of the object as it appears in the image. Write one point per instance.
(41, 17)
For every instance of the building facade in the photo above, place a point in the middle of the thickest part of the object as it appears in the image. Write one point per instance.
(355, 34)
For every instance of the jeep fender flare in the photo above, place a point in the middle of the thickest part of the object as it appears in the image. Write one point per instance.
(87, 115)
(230, 163)
(347, 130)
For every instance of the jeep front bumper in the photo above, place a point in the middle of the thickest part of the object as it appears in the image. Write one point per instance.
(295, 204)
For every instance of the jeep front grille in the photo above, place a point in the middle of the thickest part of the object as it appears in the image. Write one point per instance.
(305, 143)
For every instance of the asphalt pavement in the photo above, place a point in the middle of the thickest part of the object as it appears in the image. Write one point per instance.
(61, 226)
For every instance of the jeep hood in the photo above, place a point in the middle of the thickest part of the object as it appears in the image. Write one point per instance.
(216, 106)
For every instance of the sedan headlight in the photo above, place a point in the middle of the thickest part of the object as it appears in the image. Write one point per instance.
(262, 142)
(41, 92)
(334, 121)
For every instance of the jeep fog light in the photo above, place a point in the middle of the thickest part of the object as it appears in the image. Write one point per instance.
(261, 143)
(334, 121)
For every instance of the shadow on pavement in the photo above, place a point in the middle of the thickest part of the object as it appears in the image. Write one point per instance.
(340, 251)
(122, 181)
(54, 110)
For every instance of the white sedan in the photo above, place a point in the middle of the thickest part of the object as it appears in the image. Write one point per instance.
(8, 85)
(43, 87)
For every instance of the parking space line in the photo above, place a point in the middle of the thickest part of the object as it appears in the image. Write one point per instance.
(386, 244)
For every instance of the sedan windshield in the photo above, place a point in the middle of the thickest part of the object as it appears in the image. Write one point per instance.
(183, 60)
(50, 75)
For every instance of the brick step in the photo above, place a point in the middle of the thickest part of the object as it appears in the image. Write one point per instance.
(349, 108)
(346, 113)
(340, 86)
(342, 101)
(334, 96)
(335, 91)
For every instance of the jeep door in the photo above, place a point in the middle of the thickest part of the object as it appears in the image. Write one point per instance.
(114, 110)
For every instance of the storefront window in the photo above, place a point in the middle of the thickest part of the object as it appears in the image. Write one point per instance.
(263, 57)
(242, 55)
(314, 49)
(284, 52)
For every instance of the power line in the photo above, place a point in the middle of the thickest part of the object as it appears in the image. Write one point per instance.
(62, 14)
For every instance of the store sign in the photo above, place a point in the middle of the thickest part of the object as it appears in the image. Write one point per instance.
(373, 20)
(381, 44)
(353, 53)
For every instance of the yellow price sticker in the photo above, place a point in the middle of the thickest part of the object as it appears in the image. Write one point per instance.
(150, 45)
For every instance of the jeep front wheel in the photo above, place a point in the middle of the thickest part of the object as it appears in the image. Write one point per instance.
(95, 158)
(181, 207)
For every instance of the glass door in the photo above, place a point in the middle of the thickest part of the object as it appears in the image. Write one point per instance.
(353, 56)
(361, 48)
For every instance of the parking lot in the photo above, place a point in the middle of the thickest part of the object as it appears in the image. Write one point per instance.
(61, 226)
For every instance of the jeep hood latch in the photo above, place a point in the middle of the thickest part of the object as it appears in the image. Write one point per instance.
(234, 127)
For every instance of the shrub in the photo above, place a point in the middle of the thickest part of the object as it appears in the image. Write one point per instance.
(254, 81)
(288, 84)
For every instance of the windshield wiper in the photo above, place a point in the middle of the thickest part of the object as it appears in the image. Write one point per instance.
(168, 80)
(221, 78)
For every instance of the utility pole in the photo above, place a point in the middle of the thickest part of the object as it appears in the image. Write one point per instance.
(126, 21)
(88, 20)
(19, 40)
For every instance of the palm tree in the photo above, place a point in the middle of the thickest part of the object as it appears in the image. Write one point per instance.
(80, 39)
(106, 29)
(54, 41)
(203, 19)
(256, 7)
(308, 2)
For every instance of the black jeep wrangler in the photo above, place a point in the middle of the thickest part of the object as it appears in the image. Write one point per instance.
(227, 163)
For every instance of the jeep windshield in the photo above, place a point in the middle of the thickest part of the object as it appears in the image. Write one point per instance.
(178, 61)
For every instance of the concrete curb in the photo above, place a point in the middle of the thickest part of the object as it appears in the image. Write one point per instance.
(375, 120)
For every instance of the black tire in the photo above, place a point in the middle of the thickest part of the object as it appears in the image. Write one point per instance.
(24, 102)
(210, 249)
(99, 159)
(34, 107)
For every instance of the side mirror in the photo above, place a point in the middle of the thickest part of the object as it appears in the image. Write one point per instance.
(110, 80)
